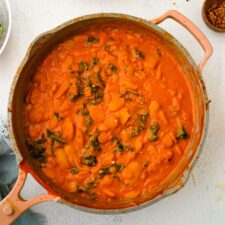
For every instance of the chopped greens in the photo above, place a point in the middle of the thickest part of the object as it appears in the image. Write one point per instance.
(95, 144)
(130, 94)
(154, 128)
(74, 170)
(71, 70)
(98, 97)
(83, 66)
(120, 147)
(90, 160)
(182, 134)
(158, 52)
(107, 170)
(140, 124)
(92, 39)
(112, 69)
(37, 148)
(54, 138)
(79, 90)
(87, 189)
(100, 80)
(93, 87)
(58, 116)
(104, 171)
(143, 117)
(107, 48)
(139, 54)
(135, 132)
(95, 61)
(119, 167)
(95, 82)
(84, 112)
(88, 121)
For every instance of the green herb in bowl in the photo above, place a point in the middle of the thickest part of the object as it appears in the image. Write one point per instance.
(1, 29)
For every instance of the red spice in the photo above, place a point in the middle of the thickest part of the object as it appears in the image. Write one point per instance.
(216, 15)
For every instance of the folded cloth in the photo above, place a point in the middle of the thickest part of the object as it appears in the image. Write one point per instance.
(8, 176)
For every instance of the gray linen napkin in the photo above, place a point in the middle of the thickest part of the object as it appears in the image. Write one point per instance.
(8, 176)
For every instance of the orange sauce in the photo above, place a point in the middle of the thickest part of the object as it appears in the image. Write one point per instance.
(108, 114)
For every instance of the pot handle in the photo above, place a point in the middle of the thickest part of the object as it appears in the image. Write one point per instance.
(195, 31)
(12, 206)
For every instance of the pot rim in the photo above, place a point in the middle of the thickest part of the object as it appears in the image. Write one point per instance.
(185, 173)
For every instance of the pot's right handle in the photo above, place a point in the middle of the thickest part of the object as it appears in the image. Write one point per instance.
(195, 31)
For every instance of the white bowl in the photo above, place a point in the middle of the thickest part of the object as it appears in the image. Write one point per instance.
(5, 20)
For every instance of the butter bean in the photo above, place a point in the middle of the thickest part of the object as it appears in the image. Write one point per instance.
(132, 173)
(36, 116)
(63, 88)
(79, 138)
(61, 158)
(153, 108)
(116, 103)
(72, 186)
(53, 123)
(168, 140)
(68, 130)
(132, 194)
(49, 172)
(35, 96)
(70, 153)
(111, 122)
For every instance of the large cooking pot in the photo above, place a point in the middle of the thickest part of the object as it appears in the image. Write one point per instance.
(13, 205)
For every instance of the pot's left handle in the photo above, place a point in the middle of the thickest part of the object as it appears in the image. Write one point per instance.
(12, 206)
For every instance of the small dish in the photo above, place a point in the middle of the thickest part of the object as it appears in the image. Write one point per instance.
(5, 21)
(207, 4)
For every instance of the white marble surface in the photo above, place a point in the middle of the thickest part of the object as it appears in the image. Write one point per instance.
(201, 202)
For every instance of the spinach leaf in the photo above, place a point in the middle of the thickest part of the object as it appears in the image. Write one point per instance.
(1, 30)
(58, 116)
(98, 97)
(92, 39)
(182, 134)
(111, 69)
(95, 61)
(120, 147)
(140, 124)
(95, 144)
(74, 170)
(83, 66)
(37, 148)
(54, 138)
(104, 171)
(79, 93)
(154, 128)
(139, 54)
(90, 160)
(88, 121)
(87, 189)
(84, 111)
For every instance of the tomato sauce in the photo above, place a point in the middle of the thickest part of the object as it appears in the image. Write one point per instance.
(108, 114)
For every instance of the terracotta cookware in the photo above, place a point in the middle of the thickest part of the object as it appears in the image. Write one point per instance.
(14, 205)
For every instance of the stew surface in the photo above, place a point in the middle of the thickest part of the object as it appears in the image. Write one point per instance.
(108, 114)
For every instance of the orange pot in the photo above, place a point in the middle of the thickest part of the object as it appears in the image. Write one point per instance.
(13, 205)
